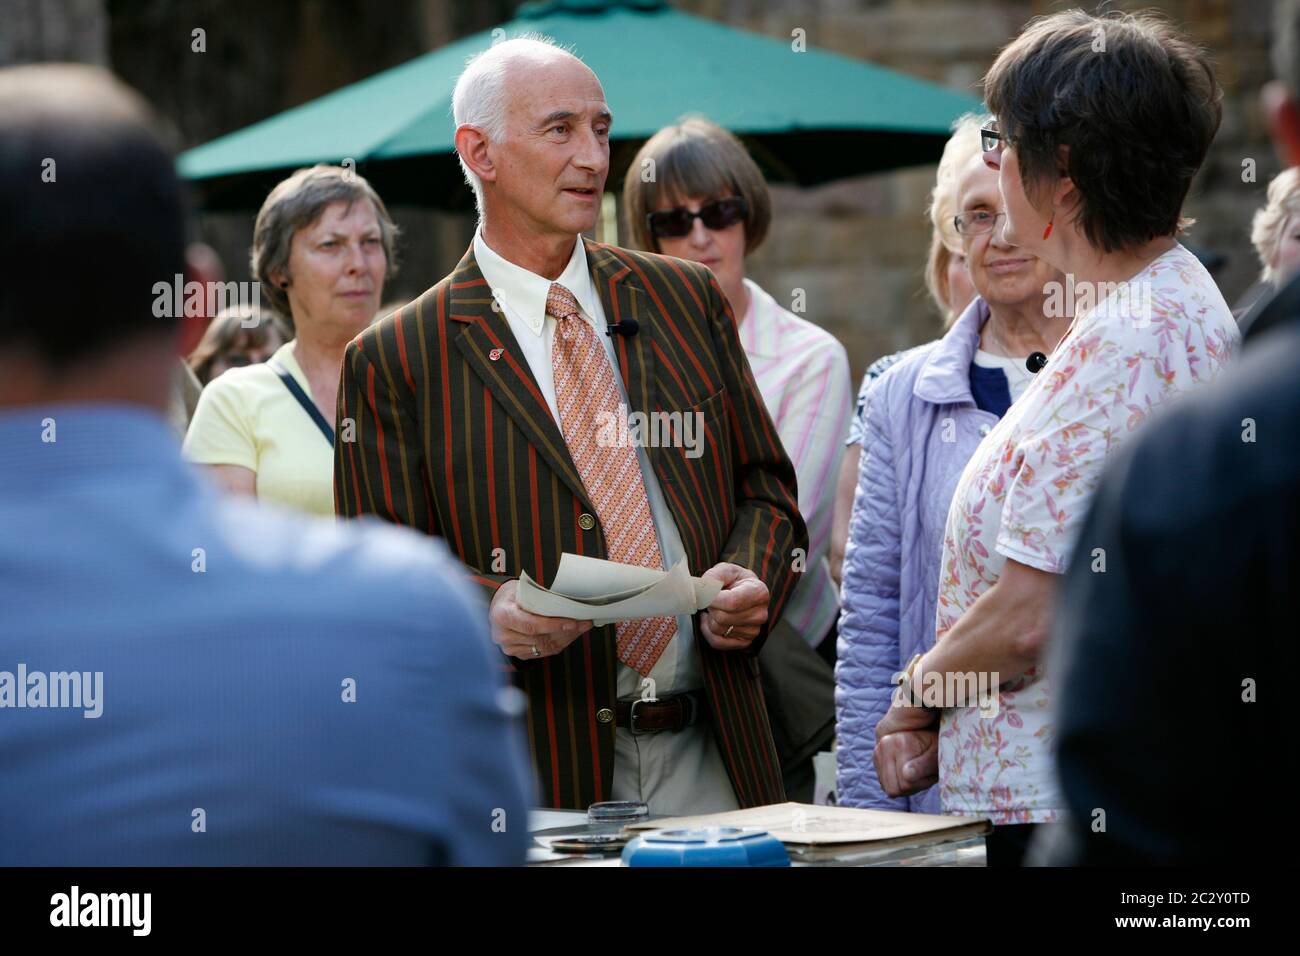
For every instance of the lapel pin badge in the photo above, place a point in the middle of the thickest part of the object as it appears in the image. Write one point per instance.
(495, 354)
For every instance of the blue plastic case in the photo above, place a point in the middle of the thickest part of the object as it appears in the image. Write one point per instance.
(707, 846)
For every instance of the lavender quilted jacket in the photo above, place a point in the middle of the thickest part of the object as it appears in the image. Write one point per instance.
(922, 427)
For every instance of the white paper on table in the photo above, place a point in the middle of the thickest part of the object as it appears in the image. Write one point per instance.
(800, 823)
(605, 592)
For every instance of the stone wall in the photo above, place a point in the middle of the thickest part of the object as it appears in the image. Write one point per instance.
(38, 31)
(265, 57)
(856, 247)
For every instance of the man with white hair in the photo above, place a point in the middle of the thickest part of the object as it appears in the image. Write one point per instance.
(481, 414)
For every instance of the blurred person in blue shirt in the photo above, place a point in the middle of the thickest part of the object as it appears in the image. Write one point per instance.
(186, 679)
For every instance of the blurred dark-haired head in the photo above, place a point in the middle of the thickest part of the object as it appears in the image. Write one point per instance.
(91, 215)
(1135, 103)
(237, 336)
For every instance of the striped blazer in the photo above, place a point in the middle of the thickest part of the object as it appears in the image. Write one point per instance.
(451, 435)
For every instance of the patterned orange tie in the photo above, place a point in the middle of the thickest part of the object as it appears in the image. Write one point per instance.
(611, 473)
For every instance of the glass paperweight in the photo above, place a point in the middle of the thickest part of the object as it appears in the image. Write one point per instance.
(620, 812)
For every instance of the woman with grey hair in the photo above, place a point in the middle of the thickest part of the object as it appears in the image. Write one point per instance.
(949, 284)
(322, 248)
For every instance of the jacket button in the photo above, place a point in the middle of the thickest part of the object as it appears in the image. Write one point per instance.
(985, 429)
(605, 715)
(586, 522)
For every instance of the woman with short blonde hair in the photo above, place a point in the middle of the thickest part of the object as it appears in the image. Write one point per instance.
(923, 420)
(949, 285)
(950, 296)
(1275, 230)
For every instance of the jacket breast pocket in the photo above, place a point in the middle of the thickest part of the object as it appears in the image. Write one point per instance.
(696, 469)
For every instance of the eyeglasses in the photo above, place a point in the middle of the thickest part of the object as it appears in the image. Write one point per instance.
(992, 142)
(976, 222)
(719, 214)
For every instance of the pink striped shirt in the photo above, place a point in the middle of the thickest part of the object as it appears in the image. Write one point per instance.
(802, 372)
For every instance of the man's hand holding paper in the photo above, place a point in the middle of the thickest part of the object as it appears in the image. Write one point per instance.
(588, 590)
(522, 634)
(738, 611)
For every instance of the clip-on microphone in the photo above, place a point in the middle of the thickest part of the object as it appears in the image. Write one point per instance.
(625, 327)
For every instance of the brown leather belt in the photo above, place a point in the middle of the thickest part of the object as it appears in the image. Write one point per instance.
(667, 713)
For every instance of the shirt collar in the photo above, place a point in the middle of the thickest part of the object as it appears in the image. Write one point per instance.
(284, 356)
(524, 292)
(945, 377)
(81, 441)
(759, 334)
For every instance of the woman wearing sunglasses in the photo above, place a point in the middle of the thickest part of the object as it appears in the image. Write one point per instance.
(1102, 123)
(707, 202)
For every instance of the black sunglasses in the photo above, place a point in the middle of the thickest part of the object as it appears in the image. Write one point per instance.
(719, 214)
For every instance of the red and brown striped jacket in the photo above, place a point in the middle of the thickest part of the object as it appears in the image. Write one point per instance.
(458, 444)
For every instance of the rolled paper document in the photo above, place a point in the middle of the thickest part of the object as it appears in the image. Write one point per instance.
(605, 592)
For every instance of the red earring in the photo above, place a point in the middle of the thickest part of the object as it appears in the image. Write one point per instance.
(1051, 222)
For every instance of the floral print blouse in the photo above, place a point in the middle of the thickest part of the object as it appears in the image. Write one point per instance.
(1025, 492)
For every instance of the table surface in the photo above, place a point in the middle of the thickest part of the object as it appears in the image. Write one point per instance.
(966, 852)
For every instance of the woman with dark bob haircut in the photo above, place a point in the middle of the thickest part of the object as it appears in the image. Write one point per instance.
(694, 192)
(708, 202)
(1101, 123)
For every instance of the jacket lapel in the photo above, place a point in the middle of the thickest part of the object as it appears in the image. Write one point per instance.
(507, 377)
(623, 298)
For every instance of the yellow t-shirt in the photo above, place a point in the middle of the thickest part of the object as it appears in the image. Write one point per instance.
(247, 417)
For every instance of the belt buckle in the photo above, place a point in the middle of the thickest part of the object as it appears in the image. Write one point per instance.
(631, 720)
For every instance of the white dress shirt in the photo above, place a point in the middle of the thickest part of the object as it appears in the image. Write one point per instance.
(673, 772)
